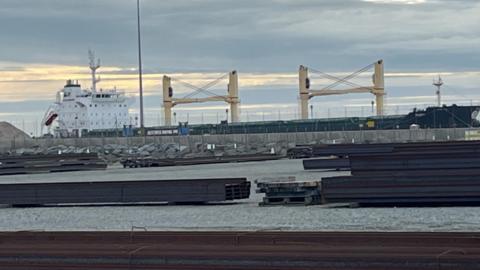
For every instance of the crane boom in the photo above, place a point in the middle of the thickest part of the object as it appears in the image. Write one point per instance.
(177, 101)
(328, 92)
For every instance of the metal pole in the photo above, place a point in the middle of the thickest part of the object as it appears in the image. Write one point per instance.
(140, 68)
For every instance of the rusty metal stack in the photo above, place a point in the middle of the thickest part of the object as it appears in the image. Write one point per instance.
(41, 163)
(410, 174)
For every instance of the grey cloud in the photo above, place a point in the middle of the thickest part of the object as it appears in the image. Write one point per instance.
(257, 36)
(11, 68)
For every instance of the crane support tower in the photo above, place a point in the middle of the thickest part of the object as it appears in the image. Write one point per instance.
(378, 87)
(231, 98)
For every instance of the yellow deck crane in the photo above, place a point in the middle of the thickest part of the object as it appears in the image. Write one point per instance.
(378, 88)
(231, 98)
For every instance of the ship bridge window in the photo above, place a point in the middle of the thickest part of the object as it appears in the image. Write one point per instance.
(98, 95)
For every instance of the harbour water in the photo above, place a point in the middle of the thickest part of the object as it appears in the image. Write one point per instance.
(239, 215)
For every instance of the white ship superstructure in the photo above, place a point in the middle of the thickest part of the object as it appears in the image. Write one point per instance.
(78, 110)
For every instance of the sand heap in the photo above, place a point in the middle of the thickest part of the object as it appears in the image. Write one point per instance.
(10, 132)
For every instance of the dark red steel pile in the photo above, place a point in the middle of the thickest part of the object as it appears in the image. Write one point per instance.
(239, 250)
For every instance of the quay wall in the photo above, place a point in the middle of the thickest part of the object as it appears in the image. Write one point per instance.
(360, 136)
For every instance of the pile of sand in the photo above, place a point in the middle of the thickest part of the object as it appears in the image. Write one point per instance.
(10, 132)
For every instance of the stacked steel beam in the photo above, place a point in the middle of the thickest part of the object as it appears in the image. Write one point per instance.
(27, 164)
(135, 162)
(334, 163)
(336, 156)
(239, 250)
(152, 191)
(410, 174)
(289, 192)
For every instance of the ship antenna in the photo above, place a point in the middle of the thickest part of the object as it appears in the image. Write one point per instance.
(438, 83)
(94, 65)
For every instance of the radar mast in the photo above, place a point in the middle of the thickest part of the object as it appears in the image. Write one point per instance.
(94, 65)
(438, 83)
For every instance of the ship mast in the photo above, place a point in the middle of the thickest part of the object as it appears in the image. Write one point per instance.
(94, 65)
(438, 83)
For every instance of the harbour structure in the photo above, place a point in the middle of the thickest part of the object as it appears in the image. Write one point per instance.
(377, 89)
(231, 98)
(96, 112)
(77, 111)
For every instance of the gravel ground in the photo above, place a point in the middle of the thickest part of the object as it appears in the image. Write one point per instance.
(241, 215)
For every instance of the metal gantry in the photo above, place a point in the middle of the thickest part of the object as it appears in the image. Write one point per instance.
(231, 98)
(378, 88)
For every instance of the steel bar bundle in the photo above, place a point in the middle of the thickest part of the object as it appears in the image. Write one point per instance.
(134, 162)
(150, 191)
(402, 190)
(412, 174)
(40, 163)
(345, 150)
(326, 164)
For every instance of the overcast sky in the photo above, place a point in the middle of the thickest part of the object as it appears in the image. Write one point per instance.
(44, 42)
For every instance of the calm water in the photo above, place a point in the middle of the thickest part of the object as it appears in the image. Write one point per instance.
(244, 215)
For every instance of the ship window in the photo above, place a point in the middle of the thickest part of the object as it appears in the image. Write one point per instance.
(98, 96)
(95, 105)
(90, 105)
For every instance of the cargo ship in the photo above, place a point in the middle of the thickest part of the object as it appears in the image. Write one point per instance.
(452, 116)
(78, 111)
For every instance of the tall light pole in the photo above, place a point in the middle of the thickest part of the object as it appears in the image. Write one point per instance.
(140, 82)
